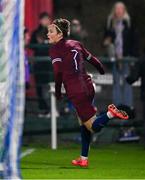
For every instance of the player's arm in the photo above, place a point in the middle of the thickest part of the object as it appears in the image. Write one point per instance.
(57, 69)
(93, 60)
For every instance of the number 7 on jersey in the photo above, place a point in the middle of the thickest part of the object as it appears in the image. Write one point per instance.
(75, 60)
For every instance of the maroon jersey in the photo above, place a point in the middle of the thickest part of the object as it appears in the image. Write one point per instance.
(68, 58)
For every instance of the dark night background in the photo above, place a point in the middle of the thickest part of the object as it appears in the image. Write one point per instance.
(93, 15)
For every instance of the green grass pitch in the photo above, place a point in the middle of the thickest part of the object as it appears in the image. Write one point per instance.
(118, 161)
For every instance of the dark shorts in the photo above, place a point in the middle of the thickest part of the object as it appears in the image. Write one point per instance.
(83, 105)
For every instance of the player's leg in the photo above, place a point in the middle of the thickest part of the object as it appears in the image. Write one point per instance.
(86, 136)
(85, 110)
(96, 124)
(85, 142)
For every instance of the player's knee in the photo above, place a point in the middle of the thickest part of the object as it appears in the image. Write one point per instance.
(90, 129)
(88, 125)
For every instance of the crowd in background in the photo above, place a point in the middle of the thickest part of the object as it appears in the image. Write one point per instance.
(120, 41)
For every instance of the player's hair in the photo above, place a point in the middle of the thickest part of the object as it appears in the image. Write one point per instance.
(111, 16)
(62, 25)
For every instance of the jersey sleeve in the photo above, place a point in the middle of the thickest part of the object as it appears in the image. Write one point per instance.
(57, 69)
(93, 60)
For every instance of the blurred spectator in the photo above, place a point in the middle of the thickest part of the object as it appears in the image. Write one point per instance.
(39, 36)
(42, 67)
(138, 71)
(27, 69)
(121, 41)
(77, 32)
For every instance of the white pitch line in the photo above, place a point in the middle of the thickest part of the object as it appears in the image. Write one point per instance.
(27, 152)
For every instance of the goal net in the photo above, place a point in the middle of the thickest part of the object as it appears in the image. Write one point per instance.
(11, 86)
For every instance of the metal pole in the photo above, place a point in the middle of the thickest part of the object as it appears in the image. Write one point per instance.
(53, 118)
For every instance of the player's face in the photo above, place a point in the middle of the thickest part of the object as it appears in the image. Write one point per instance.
(53, 35)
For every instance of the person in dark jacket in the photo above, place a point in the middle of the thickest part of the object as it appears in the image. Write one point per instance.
(121, 41)
(40, 46)
(39, 35)
(77, 32)
(138, 71)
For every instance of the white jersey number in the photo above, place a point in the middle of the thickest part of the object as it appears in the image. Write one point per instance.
(75, 60)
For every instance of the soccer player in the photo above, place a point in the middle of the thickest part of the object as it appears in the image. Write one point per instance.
(68, 58)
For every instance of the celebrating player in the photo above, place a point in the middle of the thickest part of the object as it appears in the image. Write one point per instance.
(68, 58)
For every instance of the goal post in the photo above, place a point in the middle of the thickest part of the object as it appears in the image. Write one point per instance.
(11, 86)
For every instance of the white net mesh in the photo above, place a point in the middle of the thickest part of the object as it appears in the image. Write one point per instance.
(11, 84)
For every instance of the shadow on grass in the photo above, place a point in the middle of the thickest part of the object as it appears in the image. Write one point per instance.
(73, 167)
(57, 166)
